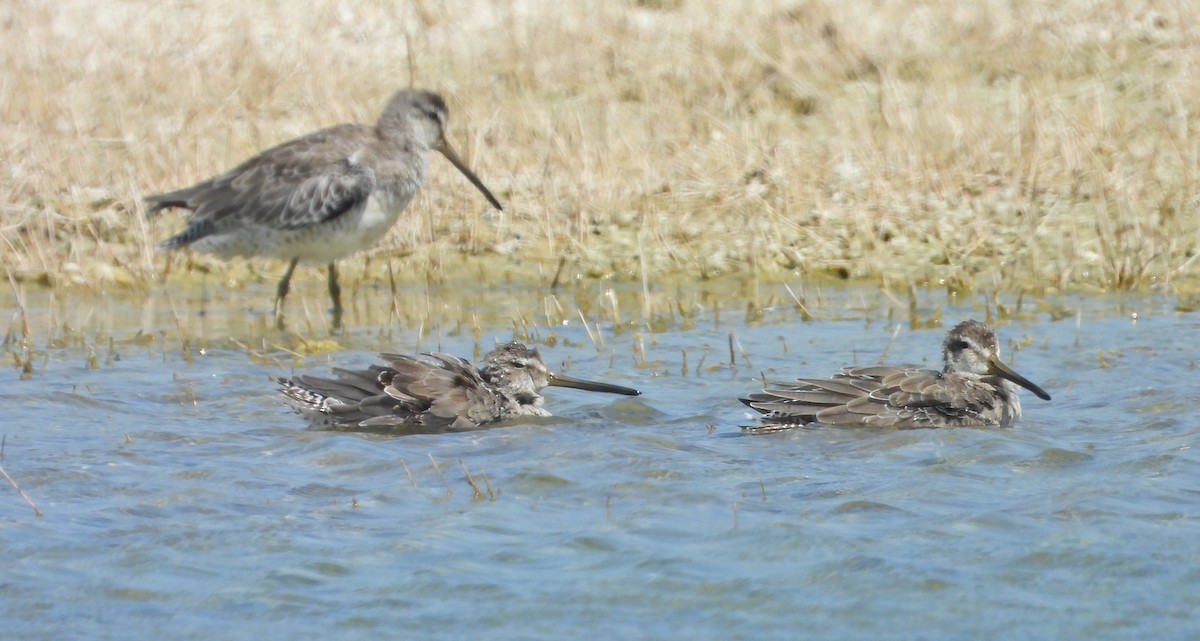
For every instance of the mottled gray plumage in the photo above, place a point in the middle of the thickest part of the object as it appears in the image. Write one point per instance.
(973, 389)
(438, 393)
(322, 196)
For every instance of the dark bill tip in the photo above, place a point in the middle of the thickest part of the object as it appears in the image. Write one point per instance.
(458, 163)
(561, 380)
(1002, 370)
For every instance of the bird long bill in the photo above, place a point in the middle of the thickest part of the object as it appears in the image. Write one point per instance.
(1000, 369)
(458, 163)
(562, 380)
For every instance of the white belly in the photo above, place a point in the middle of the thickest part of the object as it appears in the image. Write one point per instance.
(351, 232)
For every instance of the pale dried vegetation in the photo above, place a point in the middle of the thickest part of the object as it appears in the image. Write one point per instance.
(1032, 146)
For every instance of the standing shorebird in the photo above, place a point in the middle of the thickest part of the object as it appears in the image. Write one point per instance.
(319, 197)
(441, 393)
(973, 389)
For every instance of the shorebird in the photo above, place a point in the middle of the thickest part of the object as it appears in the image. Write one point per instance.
(438, 393)
(973, 389)
(322, 196)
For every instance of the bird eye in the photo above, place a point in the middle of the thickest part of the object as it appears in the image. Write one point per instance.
(957, 345)
(519, 364)
(432, 115)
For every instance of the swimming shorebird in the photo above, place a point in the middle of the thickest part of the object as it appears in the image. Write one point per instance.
(973, 389)
(322, 196)
(440, 393)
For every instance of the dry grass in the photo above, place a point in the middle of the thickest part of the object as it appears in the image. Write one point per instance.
(1026, 146)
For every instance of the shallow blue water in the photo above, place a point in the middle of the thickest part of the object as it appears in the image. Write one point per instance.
(182, 500)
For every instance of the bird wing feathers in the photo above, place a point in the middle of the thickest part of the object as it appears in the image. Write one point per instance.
(873, 396)
(300, 183)
(432, 394)
(446, 390)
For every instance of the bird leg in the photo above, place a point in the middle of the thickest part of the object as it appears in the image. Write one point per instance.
(335, 293)
(281, 292)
